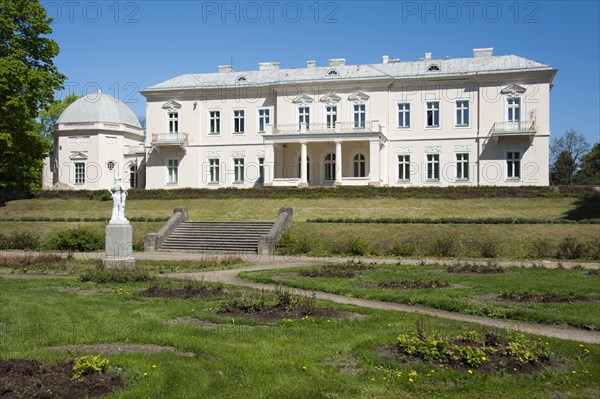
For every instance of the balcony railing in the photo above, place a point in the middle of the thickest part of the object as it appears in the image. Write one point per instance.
(320, 128)
(513, 127)
(134, 149)
(167, 139)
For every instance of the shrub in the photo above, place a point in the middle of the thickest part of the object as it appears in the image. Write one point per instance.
(79, 239)
(357, 246)
(24, 241)
(540, 248)
(488, 249)
(525, 350)
(289, 244)
(445, 246)
(570, 248)
(594, 249)
(89, 364)
(404, 249)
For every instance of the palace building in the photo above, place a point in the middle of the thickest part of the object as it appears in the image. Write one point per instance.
(482, 120)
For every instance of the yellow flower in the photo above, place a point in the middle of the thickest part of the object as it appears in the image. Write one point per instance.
(586, 350)
(372, 379)
(581, 345)
(433, 371)
(470, 371)
(303, 368)
(574, 372)
(145, 374)
(154, 366)
(483, 358)
(410, 380)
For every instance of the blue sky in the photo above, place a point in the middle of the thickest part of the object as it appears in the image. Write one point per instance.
(125, 46)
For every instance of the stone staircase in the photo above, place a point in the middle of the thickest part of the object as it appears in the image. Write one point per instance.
(216, 237)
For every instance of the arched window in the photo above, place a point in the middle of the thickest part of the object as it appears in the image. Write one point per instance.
(307, 168)
(241, 79)
(359, 166)
(133, 176)
(433, 68)
(332, 72)
(330, 167)
(110, 165)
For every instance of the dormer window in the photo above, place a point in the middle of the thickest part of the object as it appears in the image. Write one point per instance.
(241, 79)
(433, 68)
(332, 72)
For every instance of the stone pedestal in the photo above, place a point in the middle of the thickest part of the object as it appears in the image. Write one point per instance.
(119, 252)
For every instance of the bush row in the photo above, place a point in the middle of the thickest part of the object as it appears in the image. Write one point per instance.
(78, 219)
(454, 221)
(444, 247)
(323, 192)
(81, 239)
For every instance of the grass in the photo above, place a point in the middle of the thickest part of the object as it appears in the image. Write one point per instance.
(304, 359)
(470, 293)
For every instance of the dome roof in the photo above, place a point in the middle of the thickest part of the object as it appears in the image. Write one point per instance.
(99, 107)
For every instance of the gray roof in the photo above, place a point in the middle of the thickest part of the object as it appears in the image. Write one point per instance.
(448, 67)
(99, 107)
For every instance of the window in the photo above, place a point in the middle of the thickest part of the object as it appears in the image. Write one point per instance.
(462, 166)
(263, 119)
(110, 165)
(304, 117)
(404, 115)
(172, 171)
(238, 170)
(307, 168)
(261, 169)
(213, 170)
(404, 167)
(241, 79)
(173, 122)
(433, 68)
(330, 167)
(133, 176)
(360, 114)
(359, 166)
(331, 116)
(462, 113)
(215, 122)
(433, 167)
(513, 108)
(238, 121)
(79, 172)
(513, 165)
(433, 114)
(332, 72)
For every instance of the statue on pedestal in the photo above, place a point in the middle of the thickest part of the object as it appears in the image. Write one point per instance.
(118, 194)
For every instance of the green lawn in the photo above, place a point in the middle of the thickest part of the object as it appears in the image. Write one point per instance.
(329, 357)
(469, 293)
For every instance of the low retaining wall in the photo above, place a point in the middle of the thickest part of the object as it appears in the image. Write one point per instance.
(266, 244)
(153, 241)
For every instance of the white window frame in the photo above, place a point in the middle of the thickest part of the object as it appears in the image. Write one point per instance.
(463, 165)
(133, 175)
(265, 119)
(330, 171)
(510, 165)
(359, 163)
(433, 176)
(512, 107)
(361, 113)
(303, 112)
(460, 108)
(404, 112)
(439, 112)
(241, 128)
(216, 119)
(330, 114)
(404, 164)
(261, 170)
(214, 170)
(79, 173)
(172, 165)
(173, 122)
(238, 170)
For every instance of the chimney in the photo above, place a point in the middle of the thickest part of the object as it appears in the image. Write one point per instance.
(427, 56)
(483, 52)
(268, 66)
(386, 59)
(225, 68)
(311, 64)
(333, 62)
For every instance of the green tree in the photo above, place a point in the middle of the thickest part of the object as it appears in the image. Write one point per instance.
(563, 170)
(590, 167)
(49, 116)
(28, 79)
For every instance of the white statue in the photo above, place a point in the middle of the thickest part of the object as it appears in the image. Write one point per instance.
(118, 194)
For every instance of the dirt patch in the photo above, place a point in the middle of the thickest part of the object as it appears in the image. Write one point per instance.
(345, 270)
(207, 325)
(184, 292)
(542, 298)
(475, 269)
(118, 348)
(344, 364)
(408, 285)
(26, 378)
(276, 314)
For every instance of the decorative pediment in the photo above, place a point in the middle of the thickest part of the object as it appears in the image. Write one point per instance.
(171, 105)
(302, 99)
(513, 89)
(78, 156)
(238, 153)
(462, 148)
(330, 98)
(433, 148)
(404, 150)
(358, 96)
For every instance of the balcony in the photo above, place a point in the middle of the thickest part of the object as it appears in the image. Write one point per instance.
(513, 129)
(169, 140)
(325, 128)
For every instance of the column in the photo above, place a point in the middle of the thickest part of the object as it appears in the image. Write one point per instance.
(338, 163)
(374, 163)
(303, 166)
(269, 165)
(384, 167)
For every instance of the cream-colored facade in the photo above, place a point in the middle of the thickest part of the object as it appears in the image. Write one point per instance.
(97, 139)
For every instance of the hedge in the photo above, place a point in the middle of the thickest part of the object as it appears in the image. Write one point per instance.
(78, 219)
(453, 221)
